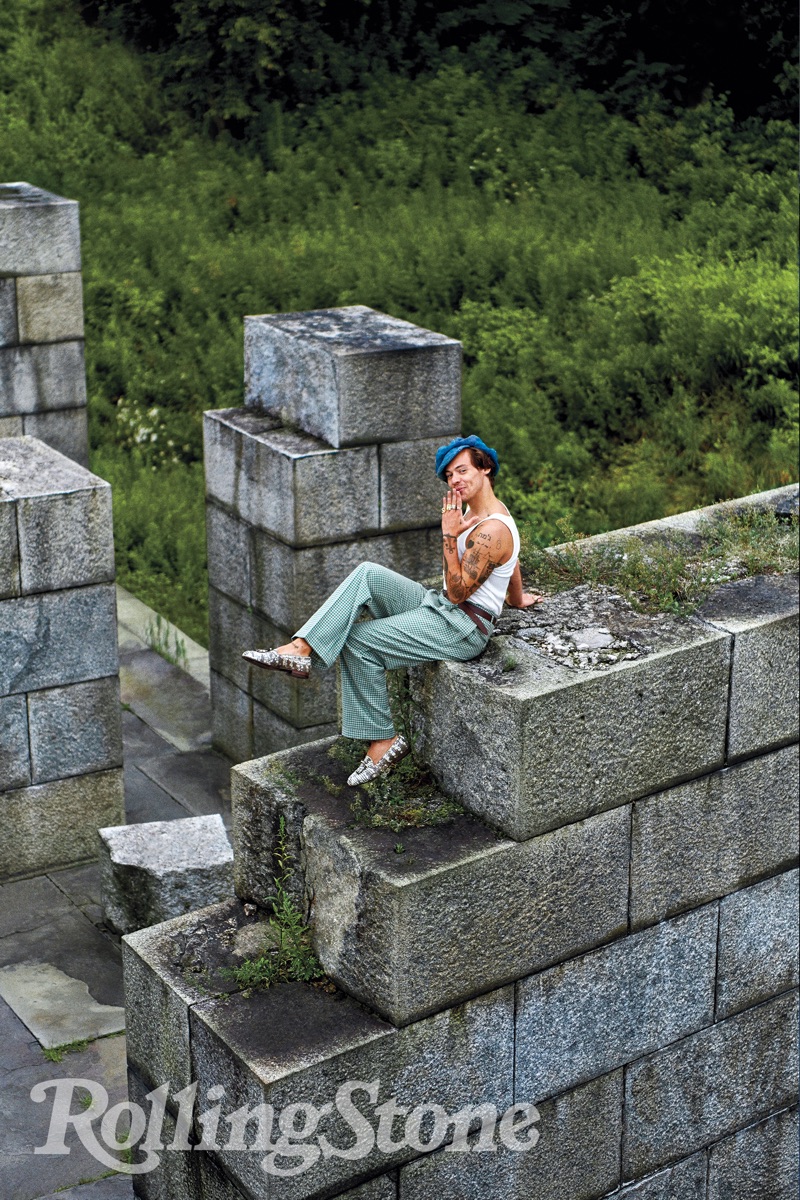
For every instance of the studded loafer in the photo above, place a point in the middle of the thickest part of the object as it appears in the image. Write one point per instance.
(367, 770)
(298, 665)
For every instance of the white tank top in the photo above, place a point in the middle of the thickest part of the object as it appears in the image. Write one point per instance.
(491, 594)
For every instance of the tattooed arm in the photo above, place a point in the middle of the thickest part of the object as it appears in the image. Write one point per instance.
(488, 546)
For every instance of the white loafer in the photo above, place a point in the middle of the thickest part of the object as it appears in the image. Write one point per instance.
(367, 770)
(298, 665)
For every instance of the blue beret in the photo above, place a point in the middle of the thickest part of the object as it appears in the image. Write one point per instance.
(446, 454)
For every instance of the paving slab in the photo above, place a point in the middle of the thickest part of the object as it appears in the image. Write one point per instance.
(20, 1048)
(172, 703)
(70, 942)
(199, 780)
(116, 1187)
(26, 904)
(135, 619)
(146, 801)
(57, 1008)
(24, 1123)
(139, 740)
(82, 886)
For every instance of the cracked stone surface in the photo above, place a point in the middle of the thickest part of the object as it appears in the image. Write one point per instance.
(585, 628)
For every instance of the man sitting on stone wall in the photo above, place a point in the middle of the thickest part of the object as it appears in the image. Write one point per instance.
(410, 623)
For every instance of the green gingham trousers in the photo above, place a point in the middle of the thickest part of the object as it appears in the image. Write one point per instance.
(411, 624)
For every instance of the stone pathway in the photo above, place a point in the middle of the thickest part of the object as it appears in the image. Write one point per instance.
(60, 967)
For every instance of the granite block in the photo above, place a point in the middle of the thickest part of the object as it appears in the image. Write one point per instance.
(169, 967)
(761, 613)
(41, 378)
(232, 719)
(75, 730)
(15, 757)
(289, 585)
(584, 1017)
(411, 493)
(157, 870)
(297, 1044)
(50, 307)
(353, 376)
(56, 638)
(8, 313)
(9, 543)
(714, 835)
(760, 1163)
(411, 934)
(576, 1156)
(39, 231)
(230, 556)
(272, 733)
(294, 486)
(214, 1183)
(585, 738)
(31, 470)
(384, 1188)
(758, 943)
(709, 1085)
(177, 1176)
(55, 824)
(235, 628)
(11, 427)
(66, 540)
(685, 1180)
(66, 430)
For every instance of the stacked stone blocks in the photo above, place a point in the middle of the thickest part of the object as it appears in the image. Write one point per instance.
(60, 735)
(625, 958)
(42, 374)
(328, 464)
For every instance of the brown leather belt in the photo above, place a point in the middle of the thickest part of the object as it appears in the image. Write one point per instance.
(478, 616)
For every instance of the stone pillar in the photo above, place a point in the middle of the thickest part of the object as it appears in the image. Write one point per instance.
(42, 375)
(60, 734)
(329, 464)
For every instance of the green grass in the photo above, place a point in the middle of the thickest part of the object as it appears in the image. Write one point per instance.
(670, 573)
(56, 1054)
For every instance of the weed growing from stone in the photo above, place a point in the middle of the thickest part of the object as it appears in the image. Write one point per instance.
(288, 956)
(405, 797)
(672, 573)
(56, 1053)
(168, 645)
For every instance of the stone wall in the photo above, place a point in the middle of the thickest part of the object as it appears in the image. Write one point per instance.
(610, 933)
(329, 464)
(42, 375)
(60, 735)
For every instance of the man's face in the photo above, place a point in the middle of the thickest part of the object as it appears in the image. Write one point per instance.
(464, 478)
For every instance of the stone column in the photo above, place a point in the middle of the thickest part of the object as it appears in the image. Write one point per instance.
(42, 375)
(329, 464)
(60, 734)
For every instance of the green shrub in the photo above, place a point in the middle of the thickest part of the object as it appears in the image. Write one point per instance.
(624, 288)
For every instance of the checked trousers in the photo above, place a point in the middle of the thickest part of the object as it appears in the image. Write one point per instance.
(410, 624)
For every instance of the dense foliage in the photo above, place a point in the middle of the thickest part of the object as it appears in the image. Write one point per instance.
(229, 62)
(623, 281)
